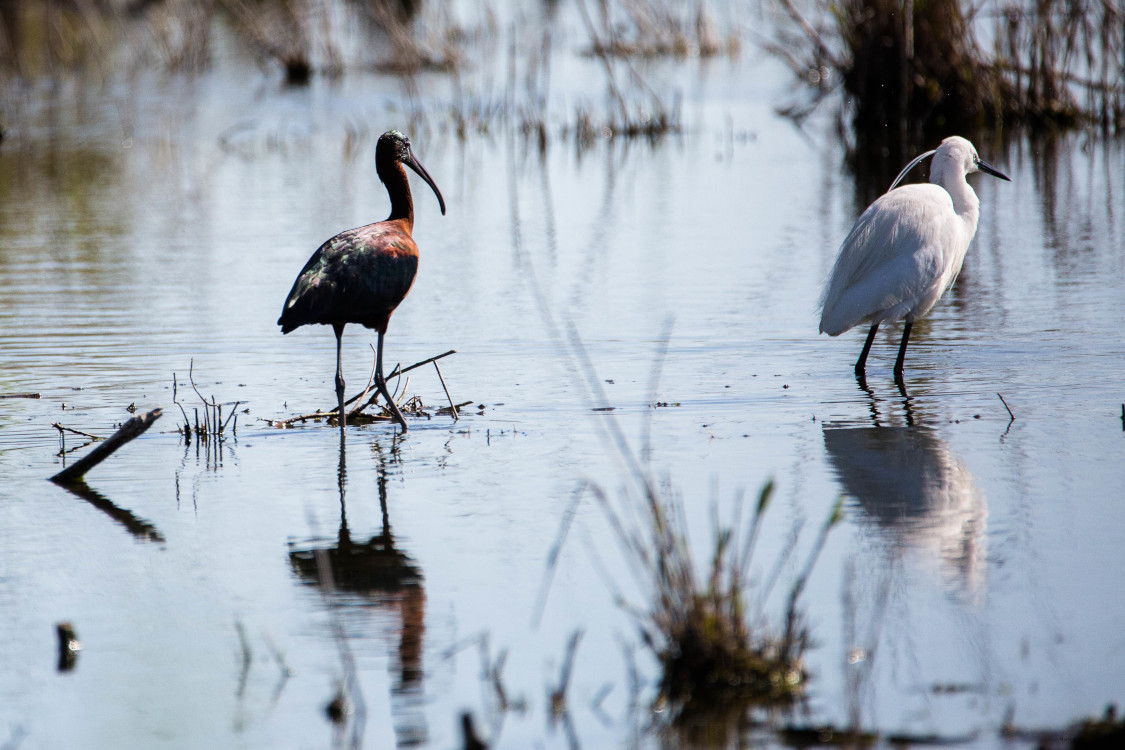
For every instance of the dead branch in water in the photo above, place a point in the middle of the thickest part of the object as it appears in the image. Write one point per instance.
(213, 426)
(452, 406)
(62, 428)
(20, 395)
(358, 415)
(131, 429)
(1012, 417)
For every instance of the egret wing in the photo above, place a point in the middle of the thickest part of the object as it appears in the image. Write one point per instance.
(895, 256)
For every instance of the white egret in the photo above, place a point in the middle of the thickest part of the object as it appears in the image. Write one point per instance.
(905, 250)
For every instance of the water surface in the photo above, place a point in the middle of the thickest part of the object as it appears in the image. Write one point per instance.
(148, 227)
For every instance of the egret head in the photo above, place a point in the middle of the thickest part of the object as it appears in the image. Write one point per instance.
(394, 148)
(955, 158)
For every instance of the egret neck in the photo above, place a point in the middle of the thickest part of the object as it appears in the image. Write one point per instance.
(951, 176)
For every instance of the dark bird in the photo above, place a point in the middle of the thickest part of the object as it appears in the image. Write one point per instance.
(361, 275)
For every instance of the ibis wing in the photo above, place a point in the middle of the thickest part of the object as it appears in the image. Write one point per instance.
(358, 276)
(895, 260)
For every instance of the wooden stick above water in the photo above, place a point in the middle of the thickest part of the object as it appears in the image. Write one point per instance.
(131, 429)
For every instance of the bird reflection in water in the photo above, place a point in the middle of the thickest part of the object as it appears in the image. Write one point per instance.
(908, 482)
(385, 578)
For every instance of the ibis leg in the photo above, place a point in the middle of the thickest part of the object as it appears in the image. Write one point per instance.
(861, 363)
(381, 384)
(902, 354)
(341, 415)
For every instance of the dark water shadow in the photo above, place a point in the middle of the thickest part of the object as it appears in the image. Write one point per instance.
(138, 527)
(875, 155)
(383, 577)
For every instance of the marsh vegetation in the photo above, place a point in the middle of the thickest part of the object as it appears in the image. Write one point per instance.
(611, 165)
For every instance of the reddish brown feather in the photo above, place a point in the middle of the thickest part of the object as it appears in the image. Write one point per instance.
(358, 276)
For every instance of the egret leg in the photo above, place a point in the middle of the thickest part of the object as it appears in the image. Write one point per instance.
(341, 415)
(902, 354)
(861, 363)
(381, 384)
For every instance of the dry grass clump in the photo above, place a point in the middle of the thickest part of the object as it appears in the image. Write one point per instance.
(910, 66)
(636, 110)
(1065, 60)
(717, 654)
(918, 64)
(660, 28)
(302, 37)
(175, 33)
(1100, 734)
(720, 656)
(290, 33)
(415, 45)
(53, 38)
(406, 38)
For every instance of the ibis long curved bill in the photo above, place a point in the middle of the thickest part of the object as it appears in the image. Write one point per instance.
(412, 162)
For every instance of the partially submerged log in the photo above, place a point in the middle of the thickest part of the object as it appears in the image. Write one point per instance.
(103, 450)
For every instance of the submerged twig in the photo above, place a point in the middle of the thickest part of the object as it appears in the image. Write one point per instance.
(452, 406)
(558, 695)
(469, 738)
(62, 428)
(458, 407)
(214, 425)
(367, 388)
(399, 394)
(396, 372)
(247, 656)
(69, 646)
(416, 365)
(1012, 416)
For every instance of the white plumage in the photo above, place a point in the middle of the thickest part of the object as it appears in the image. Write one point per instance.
(905, 250)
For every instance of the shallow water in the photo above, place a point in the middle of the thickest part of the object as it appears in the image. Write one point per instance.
(151, 227)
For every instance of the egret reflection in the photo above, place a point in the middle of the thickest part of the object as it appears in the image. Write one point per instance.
(383, 577)
(908, 482)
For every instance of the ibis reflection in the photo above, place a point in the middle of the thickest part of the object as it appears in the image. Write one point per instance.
(384, 577)
(911, 486)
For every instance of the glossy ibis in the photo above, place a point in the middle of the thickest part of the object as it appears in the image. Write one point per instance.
(906, 250)
(361, 275)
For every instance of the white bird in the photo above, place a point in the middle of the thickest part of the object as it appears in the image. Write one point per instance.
(905, 250)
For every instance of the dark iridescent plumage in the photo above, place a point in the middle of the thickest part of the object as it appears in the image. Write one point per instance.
(361, 275)
(358, 276)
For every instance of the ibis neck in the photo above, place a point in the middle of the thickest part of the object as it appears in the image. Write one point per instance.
(398, 188)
